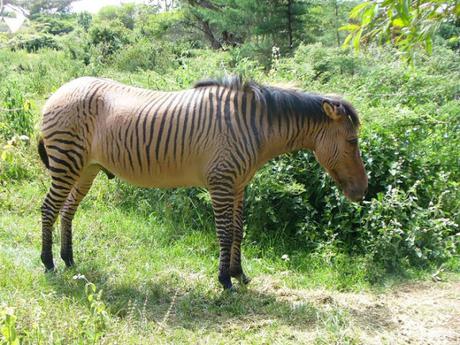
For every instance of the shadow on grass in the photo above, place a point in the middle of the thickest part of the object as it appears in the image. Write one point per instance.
(177, 304)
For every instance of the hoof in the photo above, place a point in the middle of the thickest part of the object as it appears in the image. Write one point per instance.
(225, 281)
(244, 280)
(47, 260)
(227, 287)
(69, 263)
(231, 290)
(50, 269)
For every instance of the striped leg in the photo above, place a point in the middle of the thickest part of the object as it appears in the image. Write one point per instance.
(236, 270)
(78, 192)
(222, 203)
(60, 189)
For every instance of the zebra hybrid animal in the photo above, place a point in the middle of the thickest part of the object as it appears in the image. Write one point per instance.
(215, 135)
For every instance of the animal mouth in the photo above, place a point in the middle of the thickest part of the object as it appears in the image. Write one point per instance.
(344, 186)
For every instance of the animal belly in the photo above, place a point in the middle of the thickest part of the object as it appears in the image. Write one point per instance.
(162, 176)
(134, 160)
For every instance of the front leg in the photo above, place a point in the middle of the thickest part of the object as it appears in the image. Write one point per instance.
(236, 270)
(222, 204)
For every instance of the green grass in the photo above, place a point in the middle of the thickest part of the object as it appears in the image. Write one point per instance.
(158, 284)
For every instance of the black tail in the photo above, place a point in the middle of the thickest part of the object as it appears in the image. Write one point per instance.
(43, 154)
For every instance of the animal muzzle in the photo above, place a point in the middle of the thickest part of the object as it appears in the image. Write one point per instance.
(354, 190)
(355, 194)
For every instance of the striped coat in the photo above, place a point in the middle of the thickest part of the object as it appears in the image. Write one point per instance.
(215, 135)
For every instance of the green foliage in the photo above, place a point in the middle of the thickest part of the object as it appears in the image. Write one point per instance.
(37, 7)
(158, 25)
(144, 55)
(33, 43)
(154, 252)
(84, 20)
(124, 14)
(108, 37)
(410, 134)
(15, 162)
(8, 331)
(406, 233)
(405, 23)
(232, 23)
(55, 24)
(15, 113)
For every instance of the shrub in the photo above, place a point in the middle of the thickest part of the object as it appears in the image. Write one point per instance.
(33, 43)
(145, 55)
(15, 113)
(15, 162)
(109, 37)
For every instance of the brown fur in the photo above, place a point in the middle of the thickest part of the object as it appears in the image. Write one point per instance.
(216, 135)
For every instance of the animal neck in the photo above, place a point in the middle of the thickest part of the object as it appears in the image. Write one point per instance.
(287, 137)
(290, 130)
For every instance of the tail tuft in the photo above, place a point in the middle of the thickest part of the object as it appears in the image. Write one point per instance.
(43, 154)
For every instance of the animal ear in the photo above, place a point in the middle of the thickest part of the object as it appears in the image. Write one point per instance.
(332, 110)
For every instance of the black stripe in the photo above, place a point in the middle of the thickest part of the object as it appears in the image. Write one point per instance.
(94, 91)
(67, 153)
(228, 115)
(63, 132)
(55, 178)
(195, 115)
(64, 163)
(152, 126)
(255, 132)
(162, 124)
(126, 144)
(69, 142)
(178, 122)
(210, 116)
(202, 120)
(54, 123)
(184, 127)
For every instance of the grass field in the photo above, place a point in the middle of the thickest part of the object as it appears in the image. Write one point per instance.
(324, 271)
(139, 280)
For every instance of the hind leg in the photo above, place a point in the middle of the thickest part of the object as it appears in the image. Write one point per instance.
(78, 192)
(60, 189)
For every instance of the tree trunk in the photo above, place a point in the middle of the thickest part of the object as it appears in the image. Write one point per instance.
(215, 44)
(289, 15)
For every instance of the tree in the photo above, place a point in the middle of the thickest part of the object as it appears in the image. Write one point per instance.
(41, 6)
(233, 22)
(407, 24)
(125, 14)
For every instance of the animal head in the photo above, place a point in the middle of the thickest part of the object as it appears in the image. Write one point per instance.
(337, 150)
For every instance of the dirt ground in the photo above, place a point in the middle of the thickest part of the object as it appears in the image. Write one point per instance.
(417, 313)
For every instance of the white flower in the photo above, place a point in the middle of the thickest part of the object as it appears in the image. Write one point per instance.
(79, 277)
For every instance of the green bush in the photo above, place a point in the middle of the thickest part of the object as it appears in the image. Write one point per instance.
(15, 113)
(109, 37)
(33, 43)
(402, 232)
(58, 24)
(15, 160)
(145, 55)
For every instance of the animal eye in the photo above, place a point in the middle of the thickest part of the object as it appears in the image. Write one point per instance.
(353, 141)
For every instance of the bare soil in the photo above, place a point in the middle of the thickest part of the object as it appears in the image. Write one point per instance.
(416, 313)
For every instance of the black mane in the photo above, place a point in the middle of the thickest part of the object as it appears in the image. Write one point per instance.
(279, 101)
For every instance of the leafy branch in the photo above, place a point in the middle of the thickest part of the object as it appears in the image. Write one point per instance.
(406, 24)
